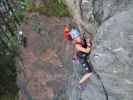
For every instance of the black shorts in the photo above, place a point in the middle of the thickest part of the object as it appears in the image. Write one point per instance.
(87, 67)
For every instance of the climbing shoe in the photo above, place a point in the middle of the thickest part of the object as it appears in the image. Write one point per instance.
(82, 87)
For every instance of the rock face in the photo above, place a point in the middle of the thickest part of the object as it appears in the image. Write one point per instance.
(49, 72)
(105, 9)
(113, 47)
(113, 44)
(44, 66)
(82, 13)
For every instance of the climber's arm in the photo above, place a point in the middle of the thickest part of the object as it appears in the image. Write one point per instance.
(82, 49)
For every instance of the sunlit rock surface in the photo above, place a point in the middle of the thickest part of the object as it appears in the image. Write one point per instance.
(112, 54)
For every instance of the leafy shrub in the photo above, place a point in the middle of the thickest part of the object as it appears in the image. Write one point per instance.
(50, 8)
(8, 74)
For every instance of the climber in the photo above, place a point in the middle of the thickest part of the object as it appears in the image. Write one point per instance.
(82, 49)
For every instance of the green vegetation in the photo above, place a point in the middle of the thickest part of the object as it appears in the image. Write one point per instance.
(50, 8)
(47, 7)
(22, 8)
(8, 74)
(8, 51)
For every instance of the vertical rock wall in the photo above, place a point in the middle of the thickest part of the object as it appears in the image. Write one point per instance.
(112, 54)
(113, 43)
(81, 11)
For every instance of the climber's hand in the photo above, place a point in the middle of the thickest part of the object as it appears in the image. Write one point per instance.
(89, 44)
(87, 50)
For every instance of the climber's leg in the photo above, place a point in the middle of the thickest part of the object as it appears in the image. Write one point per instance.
(87, 70)
(85, 78)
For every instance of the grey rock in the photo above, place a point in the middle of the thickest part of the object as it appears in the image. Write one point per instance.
(113, 46)
(105, 9)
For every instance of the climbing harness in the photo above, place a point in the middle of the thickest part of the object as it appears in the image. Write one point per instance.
(97, 75)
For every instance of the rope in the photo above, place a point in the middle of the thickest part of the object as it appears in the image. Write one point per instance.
(104, 89)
